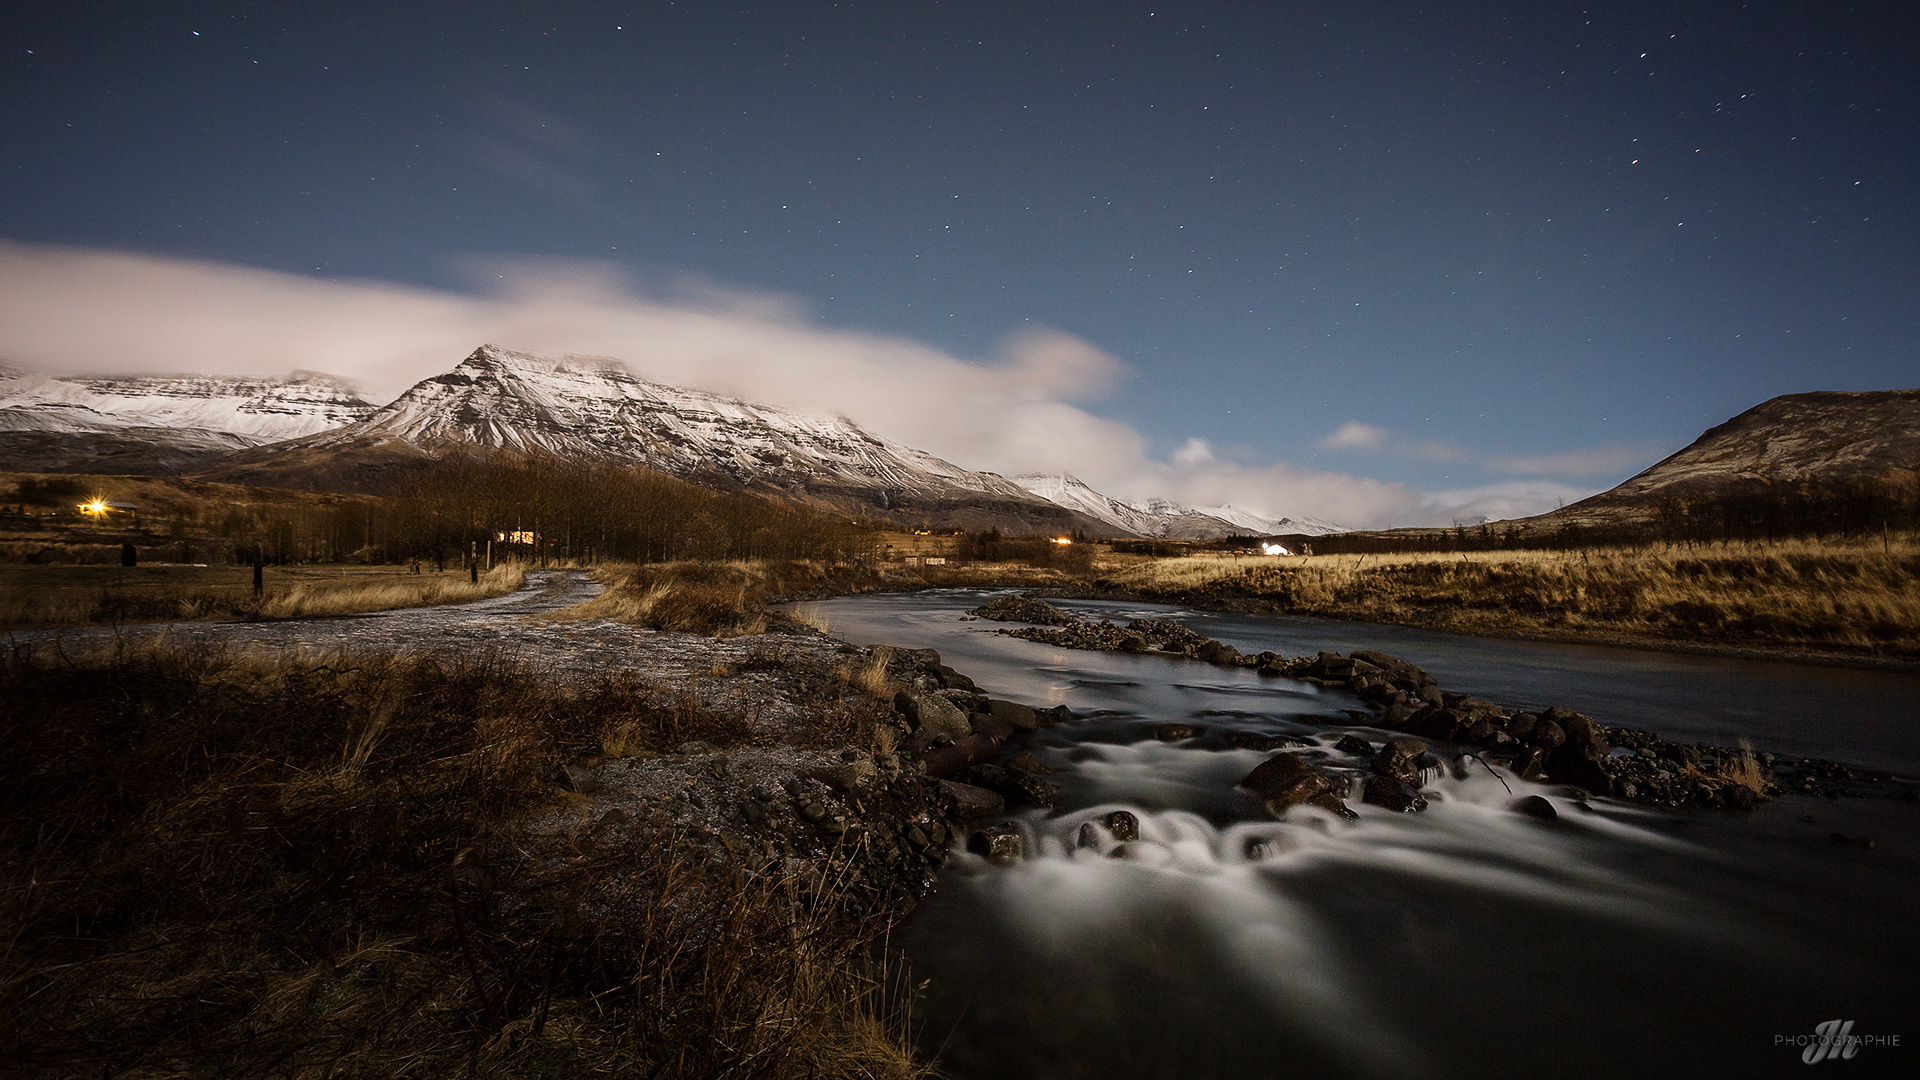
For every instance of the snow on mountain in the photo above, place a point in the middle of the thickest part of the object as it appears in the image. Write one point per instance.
(203, 408)
(1261, 525)
(499, 399)
(1162, 519)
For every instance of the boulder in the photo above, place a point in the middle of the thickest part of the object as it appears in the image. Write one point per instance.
(1534, 806)
(1393, 793)
(1285, 781)
(969, 801)
(1217, 652)
(1354, 744)
(1545, 734)
(1399, 757)
(1582, 758)
(999, 844)
(945, 761)
(931, 716)
(1123, 825)
(999, 729)
(1014, 713)
(1175, 732)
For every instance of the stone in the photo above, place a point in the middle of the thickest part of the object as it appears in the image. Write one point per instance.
(1285, 781)
(970, 801)
(1534, 806)
(1175, 732)
(1014, 713)
(931, 717)
(998, 844)
(1392, 793)
(1354, 744)
(1399, 756)
(1024, 761)
(1546, 734)
(1123, 825)
(848, 777)
(954, 679)
(985, 722)
(945, 761)
(1217, 652)
(1582, 758)
(1257, 848)
(1088, 837)
(1025, 788)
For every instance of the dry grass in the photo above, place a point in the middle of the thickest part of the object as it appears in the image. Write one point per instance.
(1861, 598)
(810, 615)
(79, 595)
(722, 599)
(872, 676)
(222, 864)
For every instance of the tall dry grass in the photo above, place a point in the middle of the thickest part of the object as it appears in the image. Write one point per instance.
(224, 864)
(1859, 598)
(718, 598)
(318, 599)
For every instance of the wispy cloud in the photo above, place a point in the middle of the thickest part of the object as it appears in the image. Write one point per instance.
(1599, 461)
(1020, 410)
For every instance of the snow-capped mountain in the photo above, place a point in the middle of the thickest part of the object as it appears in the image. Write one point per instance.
(256, 410)
(1163, 519)
(498, 399)
(160, 424)
(1260, 525)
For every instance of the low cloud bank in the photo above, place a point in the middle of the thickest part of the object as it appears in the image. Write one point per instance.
(75, 310)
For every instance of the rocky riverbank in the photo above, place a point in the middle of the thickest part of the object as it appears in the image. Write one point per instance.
(1455, 731)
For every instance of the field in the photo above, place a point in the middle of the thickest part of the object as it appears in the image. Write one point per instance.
(195, 887)
(76, 595)
(1850, 598)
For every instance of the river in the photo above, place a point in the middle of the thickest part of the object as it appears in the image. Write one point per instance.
(1467, 941)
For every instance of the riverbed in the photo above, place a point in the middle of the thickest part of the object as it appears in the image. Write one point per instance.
(1614, 941)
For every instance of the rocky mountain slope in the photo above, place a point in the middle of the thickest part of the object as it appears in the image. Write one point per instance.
(500, 400)
(1806, 446)
(160, 424)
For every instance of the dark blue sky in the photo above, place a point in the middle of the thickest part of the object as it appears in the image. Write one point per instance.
(1490, 232)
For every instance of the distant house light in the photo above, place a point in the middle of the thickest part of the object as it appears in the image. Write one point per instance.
(1274, 549)
(516, 536)
(1062, 540)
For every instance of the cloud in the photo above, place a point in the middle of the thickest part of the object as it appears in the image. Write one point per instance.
(1354, 435)
(1610, 460)
(74, 310)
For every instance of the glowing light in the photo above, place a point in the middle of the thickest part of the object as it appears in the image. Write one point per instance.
(1062, 540)
(95, 507)
(1274, 549)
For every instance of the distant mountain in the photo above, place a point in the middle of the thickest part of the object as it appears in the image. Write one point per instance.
(1798, 445)
(159, 424)
(1261, 525)
(1162, 519)
(500, 400)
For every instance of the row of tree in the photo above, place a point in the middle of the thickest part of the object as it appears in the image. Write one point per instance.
(535, 509)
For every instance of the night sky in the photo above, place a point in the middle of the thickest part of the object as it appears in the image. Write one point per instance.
(1488, 255)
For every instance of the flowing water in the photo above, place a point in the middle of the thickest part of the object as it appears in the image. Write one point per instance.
(1466, 941)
